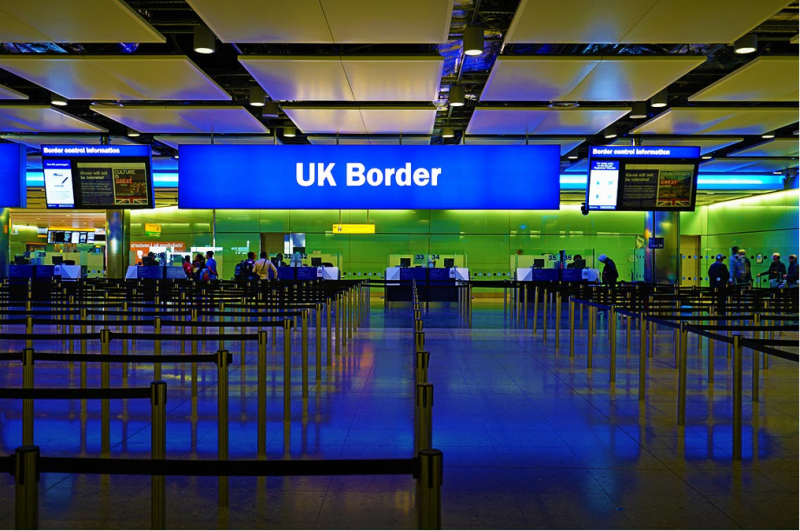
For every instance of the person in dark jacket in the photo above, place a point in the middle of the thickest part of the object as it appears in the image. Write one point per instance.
(718, 278)
(791, 274)
(740, 269)
(610, 273)
(776, 271)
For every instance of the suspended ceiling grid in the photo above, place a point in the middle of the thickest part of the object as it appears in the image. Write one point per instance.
(420, 30)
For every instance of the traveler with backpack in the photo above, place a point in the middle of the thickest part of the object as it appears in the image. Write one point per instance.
(244, 269)
(262, 266)
(198, 266)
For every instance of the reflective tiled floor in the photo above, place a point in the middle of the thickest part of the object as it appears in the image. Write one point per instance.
(531, 437)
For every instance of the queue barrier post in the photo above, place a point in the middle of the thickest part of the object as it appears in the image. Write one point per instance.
(222, 423)
(304, 351)
(125, 341)
(29, 331)
(157, 348)
(26, 487)
(318, 341)
(737, 397)
(328, 359)
(590, 336)
(571, 305)
(337, 325)
(710, 361)
(429, 489)
(557, 320)
(423, 358)
(525, 305)
(287, 371)
(682, 360)
(469, 302)
(544, 316)
(535, 309)
(27, 404)
(193, 342)
(755, 376)
(642, 356)
(262, 394)
(84, 317)
(612, 337)
(419, 340)
(158, 450)
(423, 427)
(105, 383)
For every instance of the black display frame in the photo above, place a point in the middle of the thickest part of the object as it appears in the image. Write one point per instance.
(623, 162)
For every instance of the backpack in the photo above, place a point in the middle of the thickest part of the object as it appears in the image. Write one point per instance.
(204, 274)
(238, 272)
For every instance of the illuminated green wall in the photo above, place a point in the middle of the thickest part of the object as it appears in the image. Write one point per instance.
(488, 239)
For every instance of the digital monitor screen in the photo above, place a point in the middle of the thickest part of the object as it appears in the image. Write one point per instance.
(82, 237)
(98, 176)
(90, 237)
(67, 236)
(51, 237)
(642, 179)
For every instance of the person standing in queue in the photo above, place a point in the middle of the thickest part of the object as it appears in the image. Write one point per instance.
(211, 265)
(740, 269)
(776, 271)
(718, 277)
(187, 266)
(610, 273)
(791, 274)
(262, 267)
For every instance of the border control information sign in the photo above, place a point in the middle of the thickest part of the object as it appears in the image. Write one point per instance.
(369, 177)
(637, 178)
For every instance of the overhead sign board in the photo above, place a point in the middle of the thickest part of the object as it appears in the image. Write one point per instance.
(369, 177)
(655, 243)
(351, 228)
(636, 178)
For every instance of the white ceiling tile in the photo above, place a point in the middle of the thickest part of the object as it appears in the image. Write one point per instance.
(126, 77)
(387, 121)
(300, 78)
(631, 78)
(638, 21)
(182, 119)
(42, 118)
(516, 78)
(682, 21)
(411, 21)
(762, 79)
(345, 121)
(7, 93)
(542, 120)
(327, 21)
(267, 21)
(174, 141)
(718, 121)
(779, 147)
(394, 78)
(567, 144)
(86, 21)
(571, 21)
(706, 145)
(36, 141)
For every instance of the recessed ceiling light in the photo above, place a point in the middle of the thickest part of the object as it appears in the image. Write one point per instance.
(205, 41)
(271, 110)
(473, 40)
(457, 96)
(706, 157)
(610, 132)
(777, 172)
(746, 44)
(639, 110)
(659, 100)
(55, 99)
(448, 132)
(564, 105)
(132, 133)
(769, 134)
(572, 157)
(289, 132)
(257, 96)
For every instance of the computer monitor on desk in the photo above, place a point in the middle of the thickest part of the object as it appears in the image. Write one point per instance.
(538, 263)
(316, 262)
(405, 262)
(57, 260)
(449, 263)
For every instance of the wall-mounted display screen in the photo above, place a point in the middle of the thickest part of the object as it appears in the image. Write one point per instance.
(98, 176)
(642, 179)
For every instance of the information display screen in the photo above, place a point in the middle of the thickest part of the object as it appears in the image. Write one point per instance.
(642, 179)
(98, 176)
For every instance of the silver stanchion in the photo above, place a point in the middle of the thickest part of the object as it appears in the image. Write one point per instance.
(262, 394)
(26, 487)
(157, 348)
(642, 356)
(158, 450)
(27, 404)
(682, 363)
(318, 341)
(222, 423)
(304, 351)
(423, 427)
(328, 337)
(612, 333)
(105, 383)
(429, 489)
(287, 371)
(737, 397)
(423, 358)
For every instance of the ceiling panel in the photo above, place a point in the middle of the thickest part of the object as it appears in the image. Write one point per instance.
(7, 93)
(300, 78)
(334, 78)
(412, 21)
(706, 145)
(516, 78)
(779, 147)
(394, 78)
(542, 120)
(362, 121)
(762, 79)
(174, 141)
(41, 119)
(743, 165)
(327, 21)
(638, 21)
(77, 21)
(180, 119)
(369, 140)
(36, 141)
(117, 77)
(567, 144)
(718, 121)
